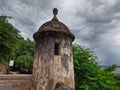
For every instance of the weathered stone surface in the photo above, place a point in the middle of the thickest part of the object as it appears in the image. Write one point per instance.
(49, 68)
(62, 86)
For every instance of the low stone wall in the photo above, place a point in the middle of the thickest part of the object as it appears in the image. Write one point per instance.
(16, 81)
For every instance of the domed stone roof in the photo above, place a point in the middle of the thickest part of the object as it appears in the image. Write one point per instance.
(54, 26)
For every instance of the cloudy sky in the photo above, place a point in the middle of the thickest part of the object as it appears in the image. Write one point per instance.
(95, 23)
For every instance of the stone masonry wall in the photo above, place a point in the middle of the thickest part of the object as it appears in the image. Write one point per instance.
(49, 68)
(17, 81)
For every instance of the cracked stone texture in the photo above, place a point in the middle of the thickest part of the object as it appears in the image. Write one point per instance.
(48, 69)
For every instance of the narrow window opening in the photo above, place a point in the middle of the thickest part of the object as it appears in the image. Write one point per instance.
(57, 49)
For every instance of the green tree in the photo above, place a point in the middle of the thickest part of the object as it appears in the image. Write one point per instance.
(24, 54)
(9, 36)
(13, 46)
(88, 74)
(111, 68)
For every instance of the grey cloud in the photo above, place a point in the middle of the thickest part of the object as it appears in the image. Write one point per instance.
(91, 24)
(39, 4)
(99, 19)
(27, 12)
(100, 13)
(2, 4)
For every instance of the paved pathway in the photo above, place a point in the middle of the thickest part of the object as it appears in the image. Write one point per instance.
(6, 86)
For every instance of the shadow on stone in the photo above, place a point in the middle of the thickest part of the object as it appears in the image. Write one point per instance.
(62, 86)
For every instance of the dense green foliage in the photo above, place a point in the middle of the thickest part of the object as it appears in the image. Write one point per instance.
(13, 46)
(111, 68)
(9, 36)
(24, 55)
(88, 74)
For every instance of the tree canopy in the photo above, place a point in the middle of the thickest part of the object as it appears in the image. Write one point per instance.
(88, 74)
(24, 55)
(9, 36)
(14, 46)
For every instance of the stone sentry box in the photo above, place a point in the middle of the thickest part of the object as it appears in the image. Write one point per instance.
(53, 59)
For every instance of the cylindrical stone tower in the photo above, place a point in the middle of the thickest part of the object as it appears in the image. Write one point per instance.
(53, 59)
